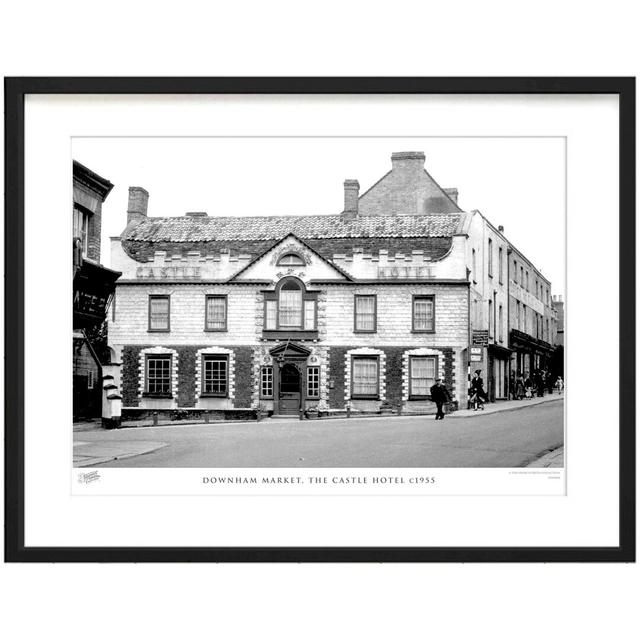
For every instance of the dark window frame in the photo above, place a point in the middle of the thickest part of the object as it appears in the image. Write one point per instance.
(375, 396)
(224, 297)
(87, 216)
(413, 396)
(490, 258)
(355, 312)
(158, 356)
(263, 368)
(421, 296)
(159, 296)
(500, 265)
(221, 357)
(307, 394)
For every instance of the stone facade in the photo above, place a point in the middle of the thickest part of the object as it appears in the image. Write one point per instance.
(359, 311)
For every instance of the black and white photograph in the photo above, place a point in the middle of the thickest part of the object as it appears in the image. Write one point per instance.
(320, 326)
(327, 302)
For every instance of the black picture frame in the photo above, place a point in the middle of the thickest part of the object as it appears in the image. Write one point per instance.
(15, 91)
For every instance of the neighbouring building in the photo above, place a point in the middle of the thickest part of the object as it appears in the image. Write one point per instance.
(362, 309)
(93, 288)
(532, 334)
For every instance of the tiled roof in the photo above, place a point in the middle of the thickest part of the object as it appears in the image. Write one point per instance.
(216, 229)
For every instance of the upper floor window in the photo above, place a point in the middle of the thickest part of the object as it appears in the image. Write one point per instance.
(424, 313)
(490, 258)
(81, 228)
(290, 260)
(365, 314)
(526, 281)
(522, 277)
(216, 313)
(500, 325)
(290, 307)
(490, 318)
(159, 313)
(524, 318)
(473, 265)
(500, 261)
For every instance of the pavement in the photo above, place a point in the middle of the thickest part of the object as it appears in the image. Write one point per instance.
(507, 405)
(89, 453)
(507, 434)
(551, 460)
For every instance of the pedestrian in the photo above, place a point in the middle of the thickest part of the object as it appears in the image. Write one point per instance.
(512, 385)
(560, 384)
(548, 378)
(440, 395)
(519, 387)
(539, 383)
(478, 396)
(528, 386)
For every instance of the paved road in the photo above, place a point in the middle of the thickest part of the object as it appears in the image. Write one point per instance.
(506, 439)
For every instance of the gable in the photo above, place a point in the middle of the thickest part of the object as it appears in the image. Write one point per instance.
(290, 256)
(407, 189)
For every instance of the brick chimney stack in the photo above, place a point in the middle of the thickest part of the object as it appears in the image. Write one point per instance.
(138, 201)
(351, 192)
(407, 161)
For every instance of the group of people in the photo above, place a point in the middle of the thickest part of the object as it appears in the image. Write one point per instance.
(522, 386)
(529, 386)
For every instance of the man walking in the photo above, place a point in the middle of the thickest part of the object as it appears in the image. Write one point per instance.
(440, 395)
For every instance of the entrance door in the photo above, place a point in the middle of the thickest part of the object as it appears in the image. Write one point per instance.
(290, 389)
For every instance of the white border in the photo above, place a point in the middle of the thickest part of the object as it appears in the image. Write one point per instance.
(587, 516)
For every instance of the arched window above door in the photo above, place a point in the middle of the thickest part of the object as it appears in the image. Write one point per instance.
(291, 307)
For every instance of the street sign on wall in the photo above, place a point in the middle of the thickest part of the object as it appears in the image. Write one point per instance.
(480, 337)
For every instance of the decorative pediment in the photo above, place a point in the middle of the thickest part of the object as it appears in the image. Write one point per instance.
(290, 349)
(290, 256)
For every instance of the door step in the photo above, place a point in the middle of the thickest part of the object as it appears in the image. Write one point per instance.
(285, 416)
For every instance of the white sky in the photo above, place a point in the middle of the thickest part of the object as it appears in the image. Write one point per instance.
(515, 182)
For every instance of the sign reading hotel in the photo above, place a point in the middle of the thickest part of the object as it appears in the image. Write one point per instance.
(405, 273)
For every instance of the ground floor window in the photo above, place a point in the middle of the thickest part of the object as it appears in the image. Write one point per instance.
(159, 374)
(266, 382)
(422, 375)
(215, 373)
(364, 375)
(313, 382)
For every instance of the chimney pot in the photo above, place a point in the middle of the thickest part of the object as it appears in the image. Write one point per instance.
(351, 192)
(197, 214)
(138, 201)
